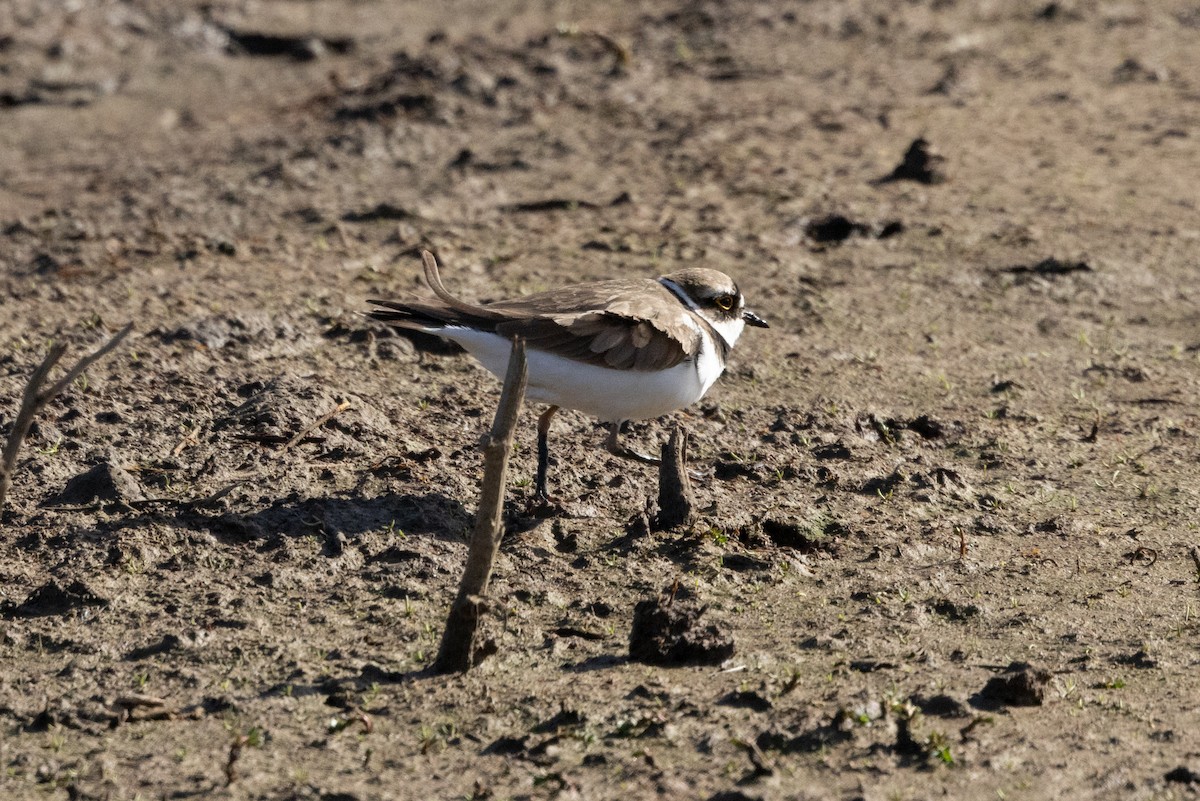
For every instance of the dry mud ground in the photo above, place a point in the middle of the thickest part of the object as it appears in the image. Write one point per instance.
(969, 438)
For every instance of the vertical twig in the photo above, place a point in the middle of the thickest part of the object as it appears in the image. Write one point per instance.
(456, 653)
(29, 408)
(676, 501)
(34, 400)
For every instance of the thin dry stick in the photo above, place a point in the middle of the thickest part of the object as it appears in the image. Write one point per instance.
(34, 400)
(315, 424)
(187, 441)
(29, 408)
(210, 500)
(456, 653)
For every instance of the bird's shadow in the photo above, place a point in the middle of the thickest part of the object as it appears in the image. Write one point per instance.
(431, 514)
(341, 690)
(337, 519)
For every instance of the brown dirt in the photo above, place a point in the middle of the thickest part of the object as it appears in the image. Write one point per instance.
(968, 440)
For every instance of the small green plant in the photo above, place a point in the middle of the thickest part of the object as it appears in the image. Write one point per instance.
(939, 748)
(428, 739)
(255, 737)
(56, 740)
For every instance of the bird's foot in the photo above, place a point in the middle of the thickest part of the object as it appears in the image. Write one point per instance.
(636, 456)
(543, 504)
(614, 446)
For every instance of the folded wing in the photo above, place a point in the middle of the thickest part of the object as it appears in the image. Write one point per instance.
(604, 324)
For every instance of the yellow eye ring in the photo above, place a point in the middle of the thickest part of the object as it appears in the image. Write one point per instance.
(725, 302)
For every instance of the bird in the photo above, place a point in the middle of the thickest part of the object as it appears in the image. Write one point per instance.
(617, 350)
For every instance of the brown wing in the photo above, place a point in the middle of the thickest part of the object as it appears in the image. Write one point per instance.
(606, 323)
(605, 338)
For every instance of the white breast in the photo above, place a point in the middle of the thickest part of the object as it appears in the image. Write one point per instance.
(602, 392)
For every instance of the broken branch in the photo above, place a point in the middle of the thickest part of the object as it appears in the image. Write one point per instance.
(34, 400)
(676, 500)
(457, 652)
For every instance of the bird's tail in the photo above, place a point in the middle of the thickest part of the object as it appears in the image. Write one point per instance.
(426, 315)
(434, 279)
(414, 316)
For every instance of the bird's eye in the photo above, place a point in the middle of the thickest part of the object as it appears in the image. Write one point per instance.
(725, 302)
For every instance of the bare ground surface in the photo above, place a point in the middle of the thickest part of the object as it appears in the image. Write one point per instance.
(969, 438)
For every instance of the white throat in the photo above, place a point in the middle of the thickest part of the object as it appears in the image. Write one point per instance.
(728, 330)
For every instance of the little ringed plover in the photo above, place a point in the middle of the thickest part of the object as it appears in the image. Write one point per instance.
(625, 349)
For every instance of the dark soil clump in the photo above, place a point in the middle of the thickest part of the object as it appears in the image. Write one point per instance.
(668, 631)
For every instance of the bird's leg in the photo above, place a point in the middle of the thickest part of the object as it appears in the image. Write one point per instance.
(544, 450)
(614, 446)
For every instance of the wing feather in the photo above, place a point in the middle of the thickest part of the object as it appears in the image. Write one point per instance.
(608, 339)
(601, 338)
(620, 331)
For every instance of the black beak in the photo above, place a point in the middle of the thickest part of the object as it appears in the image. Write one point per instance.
(753, 319)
